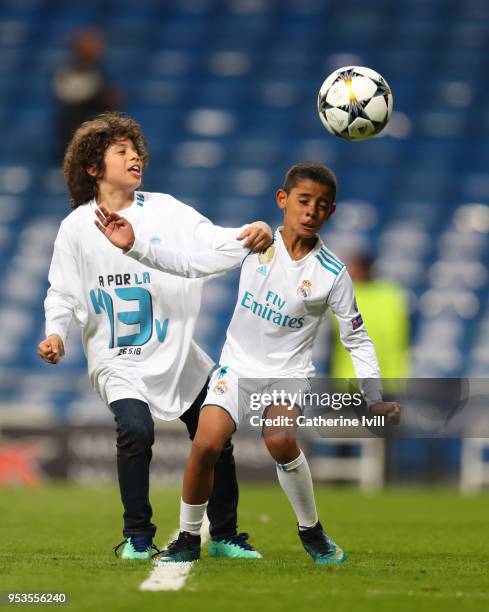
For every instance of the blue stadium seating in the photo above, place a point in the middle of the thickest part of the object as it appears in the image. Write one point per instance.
(226, 93)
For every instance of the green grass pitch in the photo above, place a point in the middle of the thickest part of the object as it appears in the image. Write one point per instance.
(408, 550)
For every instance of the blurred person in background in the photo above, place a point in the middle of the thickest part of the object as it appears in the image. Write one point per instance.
(81, 87)
(385, 311)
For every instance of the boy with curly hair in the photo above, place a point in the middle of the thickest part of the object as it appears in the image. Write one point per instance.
(137, 324)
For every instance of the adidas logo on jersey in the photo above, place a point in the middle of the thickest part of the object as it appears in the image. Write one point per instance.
(265, 258)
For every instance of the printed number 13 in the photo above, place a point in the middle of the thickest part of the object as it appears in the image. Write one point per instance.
(142, 317)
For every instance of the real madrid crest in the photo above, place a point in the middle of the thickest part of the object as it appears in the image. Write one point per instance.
(304, 290)
(220, 387)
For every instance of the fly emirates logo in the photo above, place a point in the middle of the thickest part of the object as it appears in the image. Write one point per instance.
(272, 310)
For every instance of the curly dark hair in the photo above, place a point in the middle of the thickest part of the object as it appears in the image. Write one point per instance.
(87, 149)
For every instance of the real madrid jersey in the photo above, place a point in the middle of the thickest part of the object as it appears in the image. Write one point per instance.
(137, 323)
(281, 303)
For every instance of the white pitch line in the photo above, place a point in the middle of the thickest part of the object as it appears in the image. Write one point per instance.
(172, 576)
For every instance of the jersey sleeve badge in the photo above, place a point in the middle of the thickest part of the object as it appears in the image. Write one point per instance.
(357, 322)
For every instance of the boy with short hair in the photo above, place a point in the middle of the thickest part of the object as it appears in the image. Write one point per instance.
(137, 324)
(283, 297)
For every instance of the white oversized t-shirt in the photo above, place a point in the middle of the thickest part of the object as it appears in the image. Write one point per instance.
(137, 323)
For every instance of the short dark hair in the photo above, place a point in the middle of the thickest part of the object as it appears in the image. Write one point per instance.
(87, 148)
(313, 171)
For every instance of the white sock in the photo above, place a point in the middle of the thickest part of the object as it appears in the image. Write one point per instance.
(295, 479)
(191, 517)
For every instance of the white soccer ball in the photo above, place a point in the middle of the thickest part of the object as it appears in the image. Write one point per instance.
(355, 103)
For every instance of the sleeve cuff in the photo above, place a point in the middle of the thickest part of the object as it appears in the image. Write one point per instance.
(54, 329)
(372, 391)
(137, 250)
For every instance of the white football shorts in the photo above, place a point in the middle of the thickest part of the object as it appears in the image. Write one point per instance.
(243, 397)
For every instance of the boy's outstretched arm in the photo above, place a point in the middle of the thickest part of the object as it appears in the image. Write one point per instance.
(357, 342)
(227, 253)
(61, 300)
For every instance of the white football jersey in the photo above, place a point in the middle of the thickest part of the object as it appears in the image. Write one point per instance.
(137, 324)
(281, 303)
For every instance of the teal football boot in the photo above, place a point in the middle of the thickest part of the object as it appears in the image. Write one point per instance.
(235, 547)
(185, 548)
(320, 546)
(138, 547)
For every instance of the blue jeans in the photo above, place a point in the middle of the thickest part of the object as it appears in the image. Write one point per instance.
(135, 437)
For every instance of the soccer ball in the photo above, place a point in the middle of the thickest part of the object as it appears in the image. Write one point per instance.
(355, 103)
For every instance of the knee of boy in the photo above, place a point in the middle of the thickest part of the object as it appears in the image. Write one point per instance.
(134, 435)
(282, 448)
(206, 449)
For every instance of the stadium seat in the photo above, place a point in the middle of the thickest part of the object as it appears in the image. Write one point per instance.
(226, 94)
